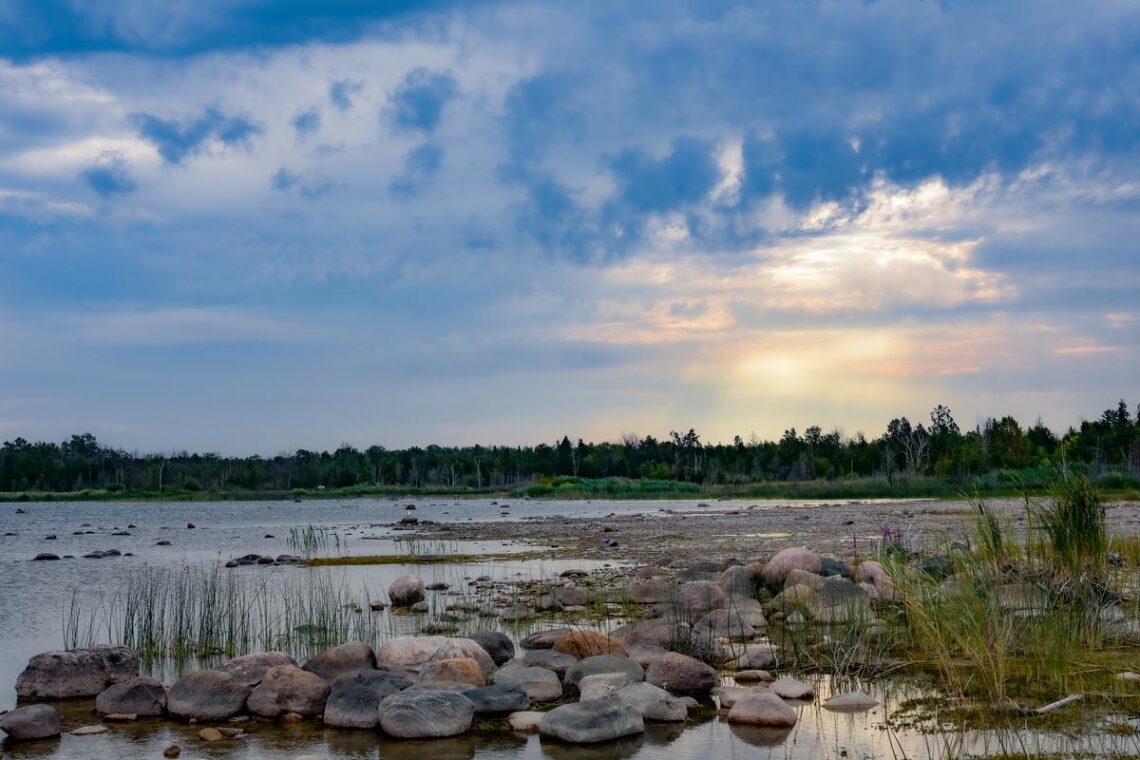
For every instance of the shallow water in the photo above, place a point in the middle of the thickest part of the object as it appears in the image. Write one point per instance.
(38, 593)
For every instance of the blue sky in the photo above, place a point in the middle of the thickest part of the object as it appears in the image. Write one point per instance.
(246, 226)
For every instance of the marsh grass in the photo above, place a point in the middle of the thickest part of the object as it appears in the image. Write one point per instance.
(199, 615)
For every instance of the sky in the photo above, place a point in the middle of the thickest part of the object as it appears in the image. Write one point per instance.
(249, 227)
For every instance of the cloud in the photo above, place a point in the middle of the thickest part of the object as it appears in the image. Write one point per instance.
(342, 91)
(417, 103)
(178, 140)
(109, 176)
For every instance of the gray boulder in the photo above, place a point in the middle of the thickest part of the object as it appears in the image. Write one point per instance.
(76, 673)
(287, 689)
(207, 695)
(354, 698)
(551, 659)
(406, 590)
(250, 668)
(681, 674)
(762, 708)
(341, 660)
(654, 703)
(497, 644)
(424, 714)
(142, 696)
(31, 722)
(544, 639)
(499, 699)
(540, 684)
(604, 663)
(700, 597)
(598, 720)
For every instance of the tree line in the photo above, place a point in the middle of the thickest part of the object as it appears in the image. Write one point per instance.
(934, 448)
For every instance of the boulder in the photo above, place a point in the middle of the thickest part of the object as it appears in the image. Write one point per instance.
(425, 714)
(31, 722)
(526, 721)
(871, 571)
(544, 639)
(855, 701)
(802, 599)
(793, 558)
(570, 596)
(741, 581)
(655, 590)
(757, 656)
(540, 684)
(601, 685)
(653, 702)
(762, 708)
(598, 720)
(250, 669)
(354, 698)
(459, 669)
(790, 688)
(752, 676)
(207, 695)
(727, 696)
(680, 674)
(799, 577)
(413, 652)
(727, 624)
(830, 566)
(141, 696)
(498, 699)
(550, 659)
(406, 590)
(588, 644)
(497, 644)
(342, 660)
(604, 663)
(288, 689)
(657, 633)
(701, 597)
(842, 601)
(76, 673)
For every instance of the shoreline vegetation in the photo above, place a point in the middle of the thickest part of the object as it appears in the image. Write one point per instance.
(1006, 484)
(999, 457)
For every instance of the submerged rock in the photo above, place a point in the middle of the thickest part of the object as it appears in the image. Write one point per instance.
(854, 701)
(406, 590)
(762, 708)
(790, 688)
(76, 673)
(598, 720)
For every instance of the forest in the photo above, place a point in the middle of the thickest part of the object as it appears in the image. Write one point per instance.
(935, 450)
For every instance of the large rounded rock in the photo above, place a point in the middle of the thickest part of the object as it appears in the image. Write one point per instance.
(871, 571)
(601, 686)
(842, 601)
(459, 669)
(342, 660)
(207, 695)
(540, 684)
(406, 590)
(598, 720)
(354, 698)
(250, 669)
(31, 722)
(741, 581)
(799, 577)
(762, 708)
(76, 673)
(544, 639)
(588, 644)
(413, 652)
(790, 688)
(653, 702)
(701, 597)
(757, 656)
(550, 659)
(657, 633)
(142, 696)
(425, 714)
(497, 644)
(499, 699)
(604, 663)
(786, 560)
(681, 674)
(728, 624)
(654, 590)
(286, 689)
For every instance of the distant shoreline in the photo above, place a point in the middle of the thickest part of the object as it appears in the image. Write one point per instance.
(604, 488)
